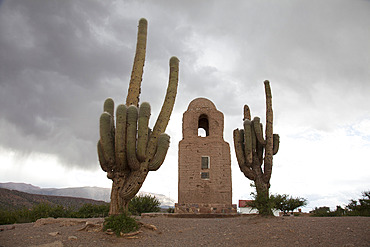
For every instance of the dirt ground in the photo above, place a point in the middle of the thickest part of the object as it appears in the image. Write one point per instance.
(237, 231)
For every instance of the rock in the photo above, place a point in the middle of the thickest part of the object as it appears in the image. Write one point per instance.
(109, 232)
(44, 221)
(130, 234)
(4, 228)
(72, 238)
(148, 226)
(89, 226)
(53, 244)
(60, 221)
(53, 233)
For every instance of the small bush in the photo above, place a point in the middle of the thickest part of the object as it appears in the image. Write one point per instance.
(144, 204)
(89, 210)
(44, 210)
(59, 212)
(287, 203)
(7, 217)
(360, 207)
(120, 223)
(41, 210)
(170, 210)
(262, 202)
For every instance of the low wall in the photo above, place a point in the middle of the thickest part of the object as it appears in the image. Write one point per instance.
(204, 208)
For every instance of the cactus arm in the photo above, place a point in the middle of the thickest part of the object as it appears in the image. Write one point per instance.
(133, 183)
(260, 148)
(109, 106)
(268, 133)
(258, 130)
(120, 137)
(248, 141)
(249, 173)
(107, 138)
(142, 133)
(167, 107)
(160, 155)
(138, 66)
(103, 163)
(132, 160)
(246, 113)
(259, 151)
(254, 139)
(238, 136)
(238, 145)
(276, 138)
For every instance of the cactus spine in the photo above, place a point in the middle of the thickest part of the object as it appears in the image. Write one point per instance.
(253, 150)
(127, 148)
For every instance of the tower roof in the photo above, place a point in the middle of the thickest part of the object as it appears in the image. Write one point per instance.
(200, 103)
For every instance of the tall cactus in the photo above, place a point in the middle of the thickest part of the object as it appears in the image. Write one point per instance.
(128, 149)
(253, 150)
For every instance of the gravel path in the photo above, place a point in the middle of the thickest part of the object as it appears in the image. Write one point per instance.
(238, 231)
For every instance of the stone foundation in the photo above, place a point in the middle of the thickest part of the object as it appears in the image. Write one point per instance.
(205, 208)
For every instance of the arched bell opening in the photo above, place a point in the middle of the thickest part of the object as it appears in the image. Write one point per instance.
(203, 126)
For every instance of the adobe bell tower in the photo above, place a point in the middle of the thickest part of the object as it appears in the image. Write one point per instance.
(204, 162)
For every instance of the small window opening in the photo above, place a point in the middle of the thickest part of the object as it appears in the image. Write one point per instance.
(204, 175)
(203, 126)
(205, 162)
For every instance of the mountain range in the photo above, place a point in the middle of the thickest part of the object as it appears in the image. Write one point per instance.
(14, 199)
(94, 193)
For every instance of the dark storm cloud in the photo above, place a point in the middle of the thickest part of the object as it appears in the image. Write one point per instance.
(54, 73)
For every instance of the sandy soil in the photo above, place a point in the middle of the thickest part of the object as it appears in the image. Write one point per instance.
(238, 231)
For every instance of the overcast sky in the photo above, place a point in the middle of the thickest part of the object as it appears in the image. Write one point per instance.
(59, 61)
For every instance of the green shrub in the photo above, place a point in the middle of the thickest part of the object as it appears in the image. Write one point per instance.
(320, 212)
(89, 210)
(144, 204)
(121, 223)
(360, 207)
(325, 212)
(7, 217)
(287, 203)
(262, 203)
(39, 211)
(23, 215)
(170, 210)
(44, 210)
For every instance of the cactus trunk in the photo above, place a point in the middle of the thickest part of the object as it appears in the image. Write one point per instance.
(129, 150)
